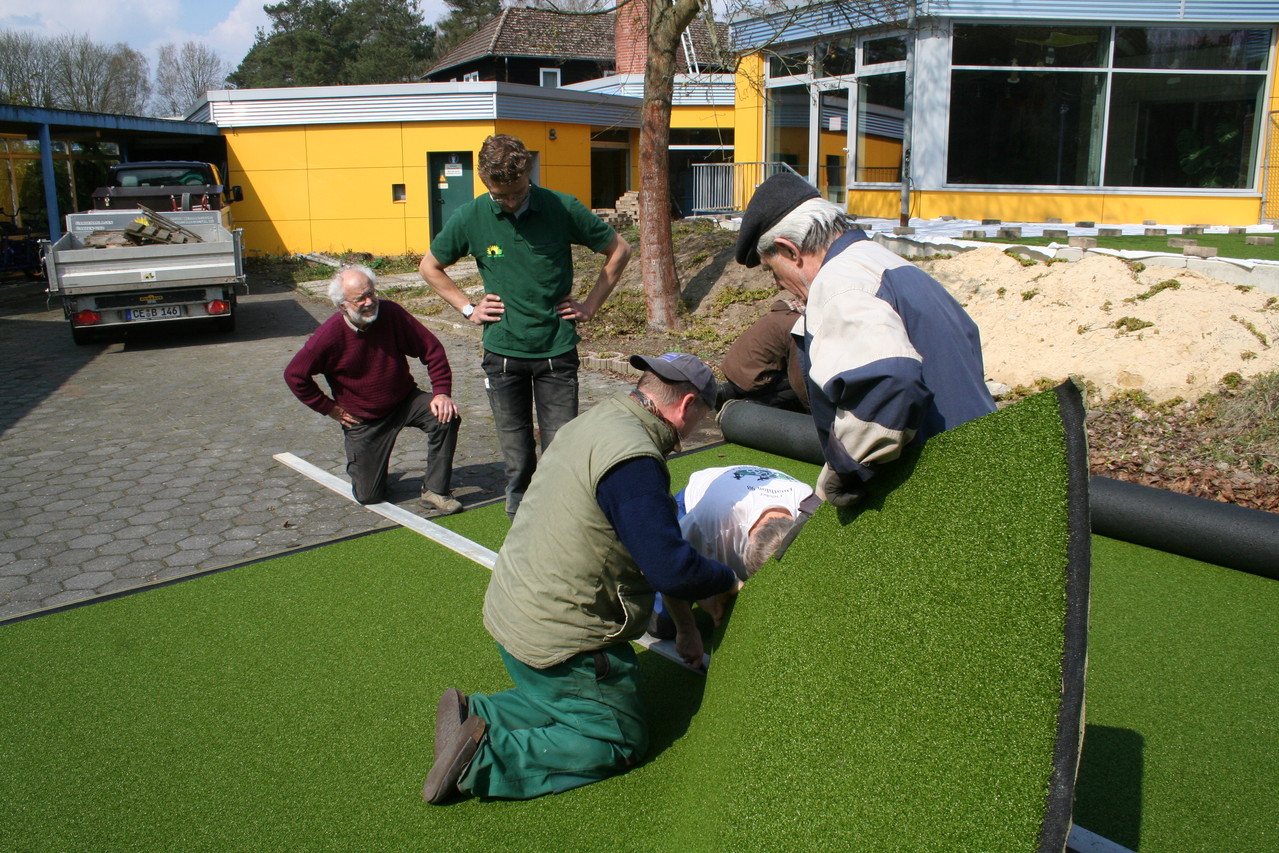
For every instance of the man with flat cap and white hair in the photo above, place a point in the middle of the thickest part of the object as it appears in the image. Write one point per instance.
(891, 358)
(596, 538)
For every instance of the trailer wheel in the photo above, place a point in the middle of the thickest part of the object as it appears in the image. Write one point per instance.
(224, 325)
(81, 335)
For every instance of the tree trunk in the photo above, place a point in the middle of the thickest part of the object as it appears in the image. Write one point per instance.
(657, 260)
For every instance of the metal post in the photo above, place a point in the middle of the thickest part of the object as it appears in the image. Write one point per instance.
(909, 107)
(50, 185)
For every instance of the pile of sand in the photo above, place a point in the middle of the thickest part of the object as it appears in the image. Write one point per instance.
(1088, 319)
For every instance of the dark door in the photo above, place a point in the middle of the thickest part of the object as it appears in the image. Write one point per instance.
(451, 185)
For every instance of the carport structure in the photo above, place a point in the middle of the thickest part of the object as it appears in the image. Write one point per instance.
(136, 138)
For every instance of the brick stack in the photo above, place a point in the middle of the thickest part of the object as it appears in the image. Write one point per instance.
(625, 212)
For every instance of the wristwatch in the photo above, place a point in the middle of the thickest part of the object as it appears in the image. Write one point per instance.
(467, 310)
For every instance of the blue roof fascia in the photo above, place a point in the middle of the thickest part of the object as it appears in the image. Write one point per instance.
(102, 121)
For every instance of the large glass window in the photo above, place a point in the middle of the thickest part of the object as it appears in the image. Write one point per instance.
(832, 144)
(1046, 106)
(788, 121)
(835, 59)
(881, 101)
(1027, 46)
(836, 114)
(77, 171)
(879, 51)
(1180, 47)
(1183, 130)
(787, 64)
(1025, 128)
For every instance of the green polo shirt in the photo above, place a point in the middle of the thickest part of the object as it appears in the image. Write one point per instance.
(528, 262)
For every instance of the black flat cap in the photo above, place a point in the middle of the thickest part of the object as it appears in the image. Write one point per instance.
(773, 199)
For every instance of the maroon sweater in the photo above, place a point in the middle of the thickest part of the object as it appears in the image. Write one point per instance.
(367, 371)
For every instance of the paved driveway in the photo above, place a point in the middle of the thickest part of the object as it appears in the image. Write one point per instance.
(131, 462)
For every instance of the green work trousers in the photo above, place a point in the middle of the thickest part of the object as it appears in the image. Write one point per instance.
(568, 725)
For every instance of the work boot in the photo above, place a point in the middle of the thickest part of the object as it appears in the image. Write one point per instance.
(443, 504)
(453, 756)
(449, 716)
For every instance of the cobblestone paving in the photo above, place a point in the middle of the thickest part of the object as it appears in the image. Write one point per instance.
(149, 458)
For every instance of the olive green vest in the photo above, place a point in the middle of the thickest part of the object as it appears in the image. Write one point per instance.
(563, 583)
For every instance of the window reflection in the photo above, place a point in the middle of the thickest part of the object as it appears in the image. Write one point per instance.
(1037, 117)
(880, 120)
(788, 109)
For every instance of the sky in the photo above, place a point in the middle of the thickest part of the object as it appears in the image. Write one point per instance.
(227, 26)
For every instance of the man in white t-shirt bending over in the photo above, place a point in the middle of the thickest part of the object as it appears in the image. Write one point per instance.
(738, 515)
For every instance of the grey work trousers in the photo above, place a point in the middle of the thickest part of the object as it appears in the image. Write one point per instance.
(369, 446)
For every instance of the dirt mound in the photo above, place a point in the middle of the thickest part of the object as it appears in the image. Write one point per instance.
(1169, 333)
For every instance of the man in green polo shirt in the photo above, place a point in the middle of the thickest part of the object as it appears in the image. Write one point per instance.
(522, 236)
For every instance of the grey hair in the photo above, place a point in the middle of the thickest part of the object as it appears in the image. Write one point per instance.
(335, 284)
(812, 226)
(764, 542)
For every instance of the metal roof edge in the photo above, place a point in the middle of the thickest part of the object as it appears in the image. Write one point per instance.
(292, 93)
(409, 102)
(800, 21)
(75, 118)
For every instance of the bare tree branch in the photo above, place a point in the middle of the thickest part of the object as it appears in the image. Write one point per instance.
(183, 75)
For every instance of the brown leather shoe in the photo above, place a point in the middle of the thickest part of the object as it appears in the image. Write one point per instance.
(449, 716)
(452, 760)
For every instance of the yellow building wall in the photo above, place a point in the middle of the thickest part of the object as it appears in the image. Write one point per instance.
(564, 163)
(748, 117)
(1069, 208)
(270, 165)
(328, 188)
(418, 140)
(1269, 147)
(702, 117)
(1029, 206)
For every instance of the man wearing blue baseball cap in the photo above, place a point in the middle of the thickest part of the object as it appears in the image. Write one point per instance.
(596, 538)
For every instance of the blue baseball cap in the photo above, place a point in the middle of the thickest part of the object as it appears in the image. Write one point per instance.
(680, 367)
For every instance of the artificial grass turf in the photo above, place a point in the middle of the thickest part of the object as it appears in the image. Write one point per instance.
(288, 704)
(913, 679)
(1182, 747)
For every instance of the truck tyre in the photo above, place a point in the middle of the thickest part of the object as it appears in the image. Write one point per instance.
(81, 335)
(224, 325)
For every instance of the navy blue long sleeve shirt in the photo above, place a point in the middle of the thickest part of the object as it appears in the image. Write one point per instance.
(635, 497)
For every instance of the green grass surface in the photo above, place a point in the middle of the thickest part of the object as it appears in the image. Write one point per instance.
(908, 662)
(288, 704)
(1227, 245)
(888, 685)
(1182, 746)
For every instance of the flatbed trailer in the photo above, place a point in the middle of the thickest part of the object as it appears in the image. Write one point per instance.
(122, 286)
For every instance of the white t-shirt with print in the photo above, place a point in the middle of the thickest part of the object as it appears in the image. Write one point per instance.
(722, 504)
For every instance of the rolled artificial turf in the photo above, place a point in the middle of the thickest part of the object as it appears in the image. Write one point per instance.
(894, 683)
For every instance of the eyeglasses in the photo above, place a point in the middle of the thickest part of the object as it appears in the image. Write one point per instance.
(511, 198)
(366, 296)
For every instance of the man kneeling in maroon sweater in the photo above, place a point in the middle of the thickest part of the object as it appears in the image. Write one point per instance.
(362, 351)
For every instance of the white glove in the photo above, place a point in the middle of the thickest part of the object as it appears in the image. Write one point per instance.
(831, 488)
